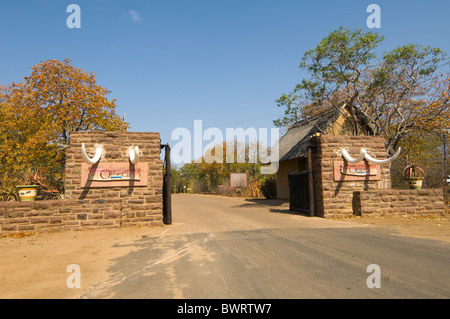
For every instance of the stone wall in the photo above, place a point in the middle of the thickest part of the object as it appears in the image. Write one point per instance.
(365, 196)
(94, 207)
(334, 198)
(411, 202)
(59, 215)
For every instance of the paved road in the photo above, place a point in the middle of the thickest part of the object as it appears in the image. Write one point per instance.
(234, 248)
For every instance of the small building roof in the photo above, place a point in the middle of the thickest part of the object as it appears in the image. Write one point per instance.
(294, 144)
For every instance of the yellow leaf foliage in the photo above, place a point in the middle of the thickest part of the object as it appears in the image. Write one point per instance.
(40, 112)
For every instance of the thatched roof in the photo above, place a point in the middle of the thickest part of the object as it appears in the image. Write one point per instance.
(294, 143)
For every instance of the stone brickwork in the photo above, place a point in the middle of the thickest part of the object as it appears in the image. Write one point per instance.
(99, 207)
(411, 202)
(334, 198)
(59, 215)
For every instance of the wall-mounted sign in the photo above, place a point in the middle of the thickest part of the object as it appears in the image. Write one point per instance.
(343, 171)
(238, 180)
(114, 174)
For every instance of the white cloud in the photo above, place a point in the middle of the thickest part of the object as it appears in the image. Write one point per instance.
(134, 15)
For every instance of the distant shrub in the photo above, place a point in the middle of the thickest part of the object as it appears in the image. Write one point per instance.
(200, 186)
(224, 189)
(268, 187)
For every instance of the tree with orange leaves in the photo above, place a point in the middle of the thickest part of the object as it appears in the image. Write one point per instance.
(38, 114)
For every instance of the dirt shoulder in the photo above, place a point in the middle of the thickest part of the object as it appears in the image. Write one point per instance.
(36, 266)
(430, 227)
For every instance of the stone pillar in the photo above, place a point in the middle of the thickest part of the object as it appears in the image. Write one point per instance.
(137, 201)
(333, 192)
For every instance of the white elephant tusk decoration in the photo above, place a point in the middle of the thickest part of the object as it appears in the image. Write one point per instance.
(370, 159)
(95, 159)
(134, 155)
(350, 159)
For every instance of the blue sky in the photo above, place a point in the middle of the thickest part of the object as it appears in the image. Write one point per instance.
(224, 62)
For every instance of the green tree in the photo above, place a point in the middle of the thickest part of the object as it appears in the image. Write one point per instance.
(180, 182)
(335, 68)
(206, 175)
(406, 90)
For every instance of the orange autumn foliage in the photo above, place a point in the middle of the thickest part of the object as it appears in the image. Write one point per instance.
(39, 113)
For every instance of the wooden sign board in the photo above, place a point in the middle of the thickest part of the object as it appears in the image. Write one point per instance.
(343, 171)
(238, 180)
(114, 174)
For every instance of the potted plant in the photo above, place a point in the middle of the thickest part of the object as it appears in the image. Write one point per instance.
(415, 175)
(27, 189)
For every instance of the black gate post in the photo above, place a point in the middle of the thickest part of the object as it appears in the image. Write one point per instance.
(167, 187)
(310, 184)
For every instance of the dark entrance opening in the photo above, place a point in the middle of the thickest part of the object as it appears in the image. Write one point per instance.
(299, 197)
(301, 190)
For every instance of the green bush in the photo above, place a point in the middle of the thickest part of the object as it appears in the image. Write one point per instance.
(268, 187)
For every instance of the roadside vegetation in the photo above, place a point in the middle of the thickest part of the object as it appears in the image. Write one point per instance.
(36, 118)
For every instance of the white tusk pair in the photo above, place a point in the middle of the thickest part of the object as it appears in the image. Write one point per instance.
(133, 155)
(370, 159)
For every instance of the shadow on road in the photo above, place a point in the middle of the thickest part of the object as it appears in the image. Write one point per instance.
(290, 212)
(260, 202)
(277, 206)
